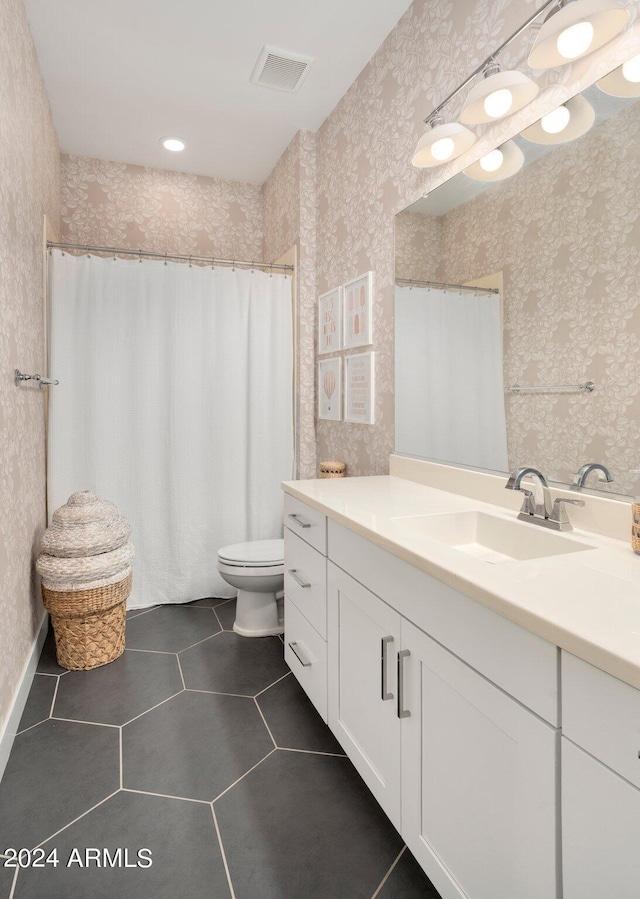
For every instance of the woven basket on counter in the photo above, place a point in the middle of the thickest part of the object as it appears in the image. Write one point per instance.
(85, 565)
(332, 469)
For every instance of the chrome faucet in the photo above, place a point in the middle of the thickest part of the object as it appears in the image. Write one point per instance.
(536, 506)
(581, 475)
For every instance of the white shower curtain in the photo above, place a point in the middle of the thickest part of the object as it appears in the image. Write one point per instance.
(174, 402)
(449, 377)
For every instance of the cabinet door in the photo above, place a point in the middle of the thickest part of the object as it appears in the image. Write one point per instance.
(362, 646)
(478, 781)
(600, 829)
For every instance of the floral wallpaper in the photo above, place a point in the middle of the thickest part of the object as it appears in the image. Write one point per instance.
(29, 188)
(289, 197)
(365, 176)
(418, 248)
(118, 205)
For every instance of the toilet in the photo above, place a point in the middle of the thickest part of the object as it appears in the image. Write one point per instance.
(257, 570)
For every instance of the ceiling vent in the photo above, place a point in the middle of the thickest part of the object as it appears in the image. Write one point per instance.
(281, 69)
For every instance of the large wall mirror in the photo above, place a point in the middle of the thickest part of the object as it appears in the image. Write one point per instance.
(518, 304)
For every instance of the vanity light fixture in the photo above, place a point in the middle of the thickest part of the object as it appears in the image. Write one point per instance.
(501, 163)
(497, 95)
(175, 144)
(574, 29)
(578, 118)
(442, 142)
(623, 81)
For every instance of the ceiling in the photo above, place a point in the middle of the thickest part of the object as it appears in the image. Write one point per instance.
(121, 74)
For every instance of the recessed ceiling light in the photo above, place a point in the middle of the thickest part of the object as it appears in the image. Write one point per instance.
(175, 144)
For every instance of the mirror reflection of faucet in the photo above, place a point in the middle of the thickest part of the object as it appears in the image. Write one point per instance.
(537, 507)
(581, 475)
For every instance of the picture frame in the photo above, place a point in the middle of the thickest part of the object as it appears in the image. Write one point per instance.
(360, 388)
(330, 389)
(330, 321)
(357, 326)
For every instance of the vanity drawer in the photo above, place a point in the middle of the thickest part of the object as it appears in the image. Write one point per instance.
(306, 522)
(305, 652)
(305, 580)
(601, 714)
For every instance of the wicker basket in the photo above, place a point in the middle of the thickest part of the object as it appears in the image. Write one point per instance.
(332, 469)
(89, 625)
(635, 527)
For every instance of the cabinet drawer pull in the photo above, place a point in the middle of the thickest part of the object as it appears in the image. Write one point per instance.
(298, 580)
(299, 654)
(402, 712)
(384, 689)
(299, 521)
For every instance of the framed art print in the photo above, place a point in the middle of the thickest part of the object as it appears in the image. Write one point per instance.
(359, 388)
(330, 321)
(330, 389)
(356, 314)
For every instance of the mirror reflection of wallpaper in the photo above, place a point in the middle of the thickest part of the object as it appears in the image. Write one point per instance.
(566, 234)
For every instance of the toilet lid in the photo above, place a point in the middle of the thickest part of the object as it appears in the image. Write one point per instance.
(257, 552)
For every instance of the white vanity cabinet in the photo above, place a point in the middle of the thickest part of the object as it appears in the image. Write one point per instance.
(600, 784)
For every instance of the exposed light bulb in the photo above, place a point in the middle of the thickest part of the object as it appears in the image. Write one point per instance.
(173, 143)
(555, 121)
(442, 149)
(498, 103)
(575, 40)
(631, 69)
(492, 161)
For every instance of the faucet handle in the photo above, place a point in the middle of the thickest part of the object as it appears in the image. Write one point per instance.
(528, 503)
(559, 512)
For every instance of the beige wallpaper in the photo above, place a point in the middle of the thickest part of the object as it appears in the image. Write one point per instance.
(113, 204)
(29, 187)
(365, 175)
(289, 198)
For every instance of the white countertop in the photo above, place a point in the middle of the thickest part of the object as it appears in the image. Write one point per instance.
(588, 603)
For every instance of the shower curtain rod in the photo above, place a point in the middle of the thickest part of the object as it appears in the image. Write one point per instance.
(210, 260)
(439, 285)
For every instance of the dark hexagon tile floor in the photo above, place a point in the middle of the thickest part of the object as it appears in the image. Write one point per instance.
(39, 701)
(6, 880)
(408, 881)
(304, 825)
(225, 738)
(228, 663)
(56, 771)
(293, 720)
(48, 663)
(171, 628)
(226, 614)
(186, 856)
(118, 692)
(210, 602)
(133, 613)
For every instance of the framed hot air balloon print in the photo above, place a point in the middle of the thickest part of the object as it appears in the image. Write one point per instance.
(330, 389)
(330, 321)
(359, 393)
(356, 312)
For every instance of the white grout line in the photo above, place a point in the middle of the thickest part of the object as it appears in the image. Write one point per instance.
(93, 807)
(273, 684)
(333, 755)
(386, 876)
(121, 762)
(80, 721)
(204, 640)
(49, 674)
(158, 652)
(184, 686)
(13, 885)
(220, 624)
(220, 795)
(265, 724)
(165, 796)
(55, 694)
(156, 706)
(139, 612)
(223, 853)
(218, 693)
(31, 726)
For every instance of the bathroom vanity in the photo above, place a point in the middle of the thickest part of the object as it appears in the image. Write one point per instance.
(485, 682)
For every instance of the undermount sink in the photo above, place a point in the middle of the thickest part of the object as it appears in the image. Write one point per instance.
(490, 538)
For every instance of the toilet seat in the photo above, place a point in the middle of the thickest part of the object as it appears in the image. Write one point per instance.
(262, 554)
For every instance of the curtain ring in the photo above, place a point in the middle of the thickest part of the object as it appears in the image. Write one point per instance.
(233, 265)
(139, 255)
(252, 265)
(190, 258)
(213, 263)
(165, 258)
(271, 271)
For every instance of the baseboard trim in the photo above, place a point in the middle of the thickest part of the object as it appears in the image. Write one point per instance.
(13, 721)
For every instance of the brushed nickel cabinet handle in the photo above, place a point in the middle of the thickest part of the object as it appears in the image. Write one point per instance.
(297, 579)
(299, 654)
(299, 521)
(384, 688)
(402, 712)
